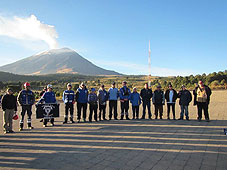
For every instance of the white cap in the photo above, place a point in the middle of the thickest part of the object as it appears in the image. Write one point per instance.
(49, 86)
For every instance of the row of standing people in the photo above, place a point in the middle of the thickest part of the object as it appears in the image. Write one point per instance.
(26, 98)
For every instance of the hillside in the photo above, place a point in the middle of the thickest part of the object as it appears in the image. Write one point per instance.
(55, 61)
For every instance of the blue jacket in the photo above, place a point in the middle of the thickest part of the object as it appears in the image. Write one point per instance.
(68, 96)
(135, 99)
(124, 93)
(113, 93)
(26, 97)
(93, 99)
(82, 95)
(48, 97)
(102, 96)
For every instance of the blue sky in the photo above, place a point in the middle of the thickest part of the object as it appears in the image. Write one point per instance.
(187, 37)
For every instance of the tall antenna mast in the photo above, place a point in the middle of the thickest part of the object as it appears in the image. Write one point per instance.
(149, 64)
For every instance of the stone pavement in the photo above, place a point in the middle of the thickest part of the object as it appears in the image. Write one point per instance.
(111, 145)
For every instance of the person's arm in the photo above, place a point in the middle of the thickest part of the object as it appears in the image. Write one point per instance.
(19, 98)
(33, 98)
(139, 100)
(163, 99)
(153, 99)
(63, 96)
(166, 94)
(190, 97)
(4, 103)
(15, 103)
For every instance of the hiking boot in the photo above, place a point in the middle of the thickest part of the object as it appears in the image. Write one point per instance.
(44, 125)
(30, 127)
(122, 117)
(11, 131)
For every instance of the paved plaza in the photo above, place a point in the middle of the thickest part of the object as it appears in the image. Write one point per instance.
(127, 145)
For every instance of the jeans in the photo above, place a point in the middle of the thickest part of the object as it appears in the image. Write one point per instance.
(93, 108)
(28, 109)
(79, 108)
(102, 111)
(148, 105)
(67, 107)
(113, 105)
(203, 106)
(135, 111)
(124, 108)
(184, 110)
(8, 119)
(173, 109)
(158, 108)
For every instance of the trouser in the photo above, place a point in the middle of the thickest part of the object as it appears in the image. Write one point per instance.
(203, 106)
(69, 106)
(93, 108)
(113, 105)
(102, 111)
(158, 108)
(148, 105)
(135, 112)
(8, 119)
(46, 119)
(184, 111)
(28, 109)
(124, 108)
(81, 106)
(169, 105)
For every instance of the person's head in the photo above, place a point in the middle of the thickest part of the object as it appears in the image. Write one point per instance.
(69, 86)
(113, 85)
(49, 87)
(134, 90)
(45, 89)
(27, 86)
(183, 87)
(159, 87)
(102, 87)
(93, 90)
(146, 85)
(200, 83)
(170, 86)
(124, 83)
(9, 91)
(82, 85)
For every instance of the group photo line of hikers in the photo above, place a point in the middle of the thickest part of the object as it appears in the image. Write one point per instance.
(47, 107)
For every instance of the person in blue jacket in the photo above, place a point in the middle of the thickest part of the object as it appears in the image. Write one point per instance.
(82, 100)
(26, 98)
(136, 101)
(113, 95)
(124, 99)
(69, 100)
(93, 103)
(48, 98)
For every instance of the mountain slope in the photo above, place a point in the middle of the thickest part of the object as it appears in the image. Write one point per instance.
(55, 61)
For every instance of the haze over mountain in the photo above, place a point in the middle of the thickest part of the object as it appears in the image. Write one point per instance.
(54, 61)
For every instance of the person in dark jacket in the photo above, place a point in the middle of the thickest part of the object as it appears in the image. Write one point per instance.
(158, 100)
(26, 98)
(93, 102)
(102, 98)
(185, 99)
(48, 98)
(69, 100)
(202, 95)
(146, 95)
(82, 100)
(171, 97)
(113, 95)
(136, 101)
(124, 99)
(9, 107)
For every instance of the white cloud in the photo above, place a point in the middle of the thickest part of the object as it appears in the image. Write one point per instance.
(141, 69)
(29, 28)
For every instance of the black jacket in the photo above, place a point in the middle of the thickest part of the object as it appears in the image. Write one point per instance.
(158, 97)
(208, 92)
(185, 97)
(174, 95)
(9, 102)
(146, 95)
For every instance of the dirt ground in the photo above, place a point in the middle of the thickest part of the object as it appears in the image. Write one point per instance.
(134, 144)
